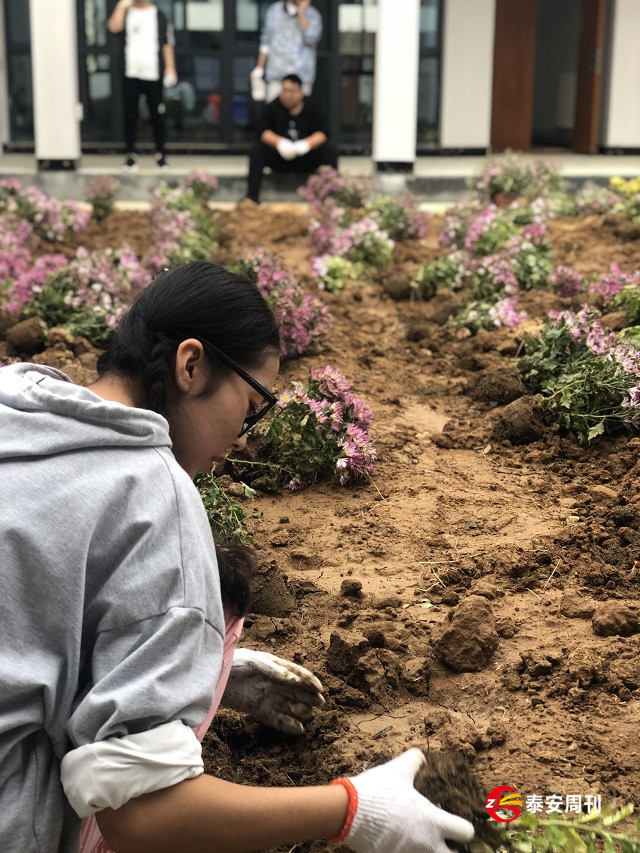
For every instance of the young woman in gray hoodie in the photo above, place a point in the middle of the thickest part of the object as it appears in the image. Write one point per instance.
(113, 629)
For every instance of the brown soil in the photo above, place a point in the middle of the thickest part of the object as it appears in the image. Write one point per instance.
(474, 499)
(448, 780)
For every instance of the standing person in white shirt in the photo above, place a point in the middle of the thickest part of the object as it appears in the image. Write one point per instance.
(149, 64)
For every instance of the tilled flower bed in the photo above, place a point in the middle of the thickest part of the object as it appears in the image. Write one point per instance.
(481, 594)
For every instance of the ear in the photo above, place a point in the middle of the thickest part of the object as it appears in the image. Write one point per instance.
(191, 367)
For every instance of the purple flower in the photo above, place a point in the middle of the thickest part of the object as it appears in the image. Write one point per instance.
(504, 313)
(31, 281)
(611, 283)
(303, 320)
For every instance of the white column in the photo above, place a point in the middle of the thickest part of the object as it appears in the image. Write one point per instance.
(56, 108)
(467, 73)
(395, 85)
(621, 113)
(4, 84)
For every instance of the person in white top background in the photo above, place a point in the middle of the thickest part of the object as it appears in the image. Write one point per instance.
(149, 64)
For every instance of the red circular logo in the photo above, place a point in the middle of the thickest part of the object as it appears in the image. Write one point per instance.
(500, 799)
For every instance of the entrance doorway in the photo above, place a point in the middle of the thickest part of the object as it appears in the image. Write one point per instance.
(547, 74)
(216, 48)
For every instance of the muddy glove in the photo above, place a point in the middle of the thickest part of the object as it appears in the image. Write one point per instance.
(387, 815)
(274, 691)
(287, 149)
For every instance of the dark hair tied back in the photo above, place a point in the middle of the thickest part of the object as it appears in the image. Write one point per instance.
(236, 565)
(195, 300)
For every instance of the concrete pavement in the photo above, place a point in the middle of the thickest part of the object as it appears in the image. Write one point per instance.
(436, 179)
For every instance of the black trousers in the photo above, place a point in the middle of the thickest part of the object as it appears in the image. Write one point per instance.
(264, 155)
(152, 90)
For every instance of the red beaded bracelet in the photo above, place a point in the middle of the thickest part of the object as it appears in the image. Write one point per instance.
(352, 808)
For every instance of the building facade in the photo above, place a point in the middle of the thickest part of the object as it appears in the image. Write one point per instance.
(480, 74)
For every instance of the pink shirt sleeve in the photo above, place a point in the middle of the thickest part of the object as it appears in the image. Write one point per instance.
(91, 840)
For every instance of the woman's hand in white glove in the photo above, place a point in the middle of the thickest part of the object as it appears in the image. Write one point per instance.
(390, 816)
(274, 691)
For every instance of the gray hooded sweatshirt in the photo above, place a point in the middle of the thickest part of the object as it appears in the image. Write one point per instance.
(110, 616)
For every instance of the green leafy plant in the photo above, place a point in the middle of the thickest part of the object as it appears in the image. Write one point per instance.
(87, 324)
(400, 217)
(595, 832)
(102, 195)
(51, 302)
(532, 266)
(303, 319)
(202, 184)
(333, 272)
(318, 430)
(53, 306)
(630, 335)
(475, 315)
(629, 197)
(184, 228)
(489, 232)
(513, 174)
(627, 300)
(227, 518)
(435, 275)
(589, 382)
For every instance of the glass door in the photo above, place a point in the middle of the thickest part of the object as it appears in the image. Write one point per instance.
(98, 81)
(18, 44)
(195, 115)
(429, 79)
(356, 25)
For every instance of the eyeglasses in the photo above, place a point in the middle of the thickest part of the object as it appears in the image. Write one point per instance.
(250, 420)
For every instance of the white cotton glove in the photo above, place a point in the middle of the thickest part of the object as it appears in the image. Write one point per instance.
(258, 90)
(170, 79)
(302, 147)
(274, 691)
(392, 817)
(258, 85)
(286, 148)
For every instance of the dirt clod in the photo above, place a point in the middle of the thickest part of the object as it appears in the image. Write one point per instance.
(351, 589)
(613, 618)
(470, 640)
(344, 653)
(27, 337)
(497, 387)
(574, 606)
(520, 422)
(269, 594)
